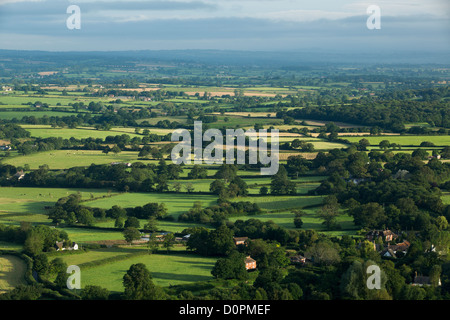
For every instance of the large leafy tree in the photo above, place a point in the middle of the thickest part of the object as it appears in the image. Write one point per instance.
(139, 285)
(281, 184)
(231, 267)
(131, 234)
(221, 241)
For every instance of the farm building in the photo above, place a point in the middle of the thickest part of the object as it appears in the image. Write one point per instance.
(250, 263)
(423, 281)
(59, 246)
(386, 235)
(391, 251)
(240, 240)
(298, 259)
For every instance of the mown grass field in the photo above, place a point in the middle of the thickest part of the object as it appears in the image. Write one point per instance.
(311, 221)
(9, 115)
(175, 203)
(279, 203)
(404, 140)
(78, 133)
(65, 159)
(173, 268)
(254, 184)
(12, 271)
(52, 98)
(10, 246)
(81, 235)
(27, 204)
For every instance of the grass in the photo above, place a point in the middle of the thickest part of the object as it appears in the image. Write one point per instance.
(163, 225)
(65, 159)
(4, 245)
(404, 140)
(175, 203)
(92, 255)
(174, 268)
(12, 271)
(27, 204)
(78, 133)
(446, 198)
(311, 221)
(277, 203)
(81, 235)
(254, 184)
(241, 122)
(9, 115)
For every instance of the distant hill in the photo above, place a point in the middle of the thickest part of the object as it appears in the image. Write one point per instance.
(304, 59)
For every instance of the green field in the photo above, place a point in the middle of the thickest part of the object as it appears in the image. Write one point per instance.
(27, 204)
(10, 246)
(311, 221)
(98, 235)
(12, 271)
(42, 131)
(446, 198)
(403, 140)
(81, 235)
(65, 159)
(278, 203)
(175, 203)
(174, 268)
(9, 115)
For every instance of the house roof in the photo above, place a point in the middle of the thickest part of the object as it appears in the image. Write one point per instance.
(390, 253)
(422, 280)
(404, 246)
(249, 259)
(379, 233)
(297, 258)
(389, 233)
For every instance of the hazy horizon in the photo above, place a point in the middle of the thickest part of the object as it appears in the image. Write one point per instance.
(248, 25)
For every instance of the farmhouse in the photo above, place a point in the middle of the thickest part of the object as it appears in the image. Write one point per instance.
(59, 246)
(298, 259)
(250, 263)
(386, 235)
(391, 251)
(423, 281)
(240, 240)
(186, 237)
(128, 164)
(19, 175)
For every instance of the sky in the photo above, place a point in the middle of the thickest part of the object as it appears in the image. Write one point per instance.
(255, 25)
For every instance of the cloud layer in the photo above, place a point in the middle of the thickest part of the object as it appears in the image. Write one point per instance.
(225, 24)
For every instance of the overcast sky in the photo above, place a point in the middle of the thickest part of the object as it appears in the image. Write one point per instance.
(267, 25)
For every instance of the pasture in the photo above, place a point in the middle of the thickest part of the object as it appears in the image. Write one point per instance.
(311, 221)
(175, 203)
(43, 131)
(405, 140)
(174, 268)
(12, 271)
(280, 203)
(27, 204)
(65, 159)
